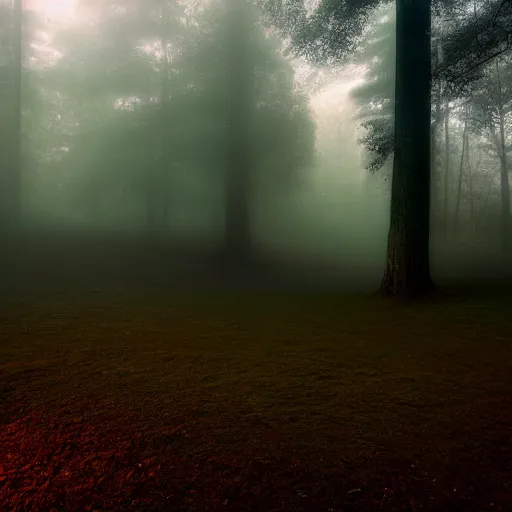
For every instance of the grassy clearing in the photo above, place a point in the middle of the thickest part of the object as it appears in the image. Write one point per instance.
(255, 402)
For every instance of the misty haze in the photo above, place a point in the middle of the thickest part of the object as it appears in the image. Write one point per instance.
(255, 255)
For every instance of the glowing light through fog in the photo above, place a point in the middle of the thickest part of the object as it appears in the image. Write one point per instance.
(55, 9)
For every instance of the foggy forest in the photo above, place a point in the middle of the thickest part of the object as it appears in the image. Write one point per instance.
(255, 255)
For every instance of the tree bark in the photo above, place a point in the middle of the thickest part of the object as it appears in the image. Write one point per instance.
(407, 271)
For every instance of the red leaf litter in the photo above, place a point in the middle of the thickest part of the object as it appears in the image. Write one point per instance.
(65, 463)
(68, 464)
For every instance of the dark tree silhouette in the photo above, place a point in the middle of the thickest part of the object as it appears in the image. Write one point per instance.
(11, 21)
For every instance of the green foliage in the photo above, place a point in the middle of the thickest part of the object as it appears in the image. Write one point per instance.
(331, 33)
(180, 126)
(337, 31)
(486, 95)
(375, 96)
(473, 39)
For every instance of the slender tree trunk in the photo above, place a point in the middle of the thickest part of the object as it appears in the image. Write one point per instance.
(446, 166)
(472, 219)
(483, 209)
(461, 170)
(237, 236)
(407, 271)
(151, 195)
(10, 199)
(164, 154)
(435, 195)
(505, 185)
(158, 173)
(435, 127)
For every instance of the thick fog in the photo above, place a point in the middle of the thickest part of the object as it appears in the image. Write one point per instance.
(171, 145)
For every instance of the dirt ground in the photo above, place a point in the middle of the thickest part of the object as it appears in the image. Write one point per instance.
(131, 401)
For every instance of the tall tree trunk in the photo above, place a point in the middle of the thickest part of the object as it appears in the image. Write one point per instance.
(435, 128)
(158, 175)
(472, 220)
(483, 209)
(164, 153)
(237, 235)
(505, 185)
(407, 271)
(446, 165)
(435, 195)
(10, 199)
(461, 170)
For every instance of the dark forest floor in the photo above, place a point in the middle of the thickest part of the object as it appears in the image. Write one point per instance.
(115, 401)
(134, 377)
